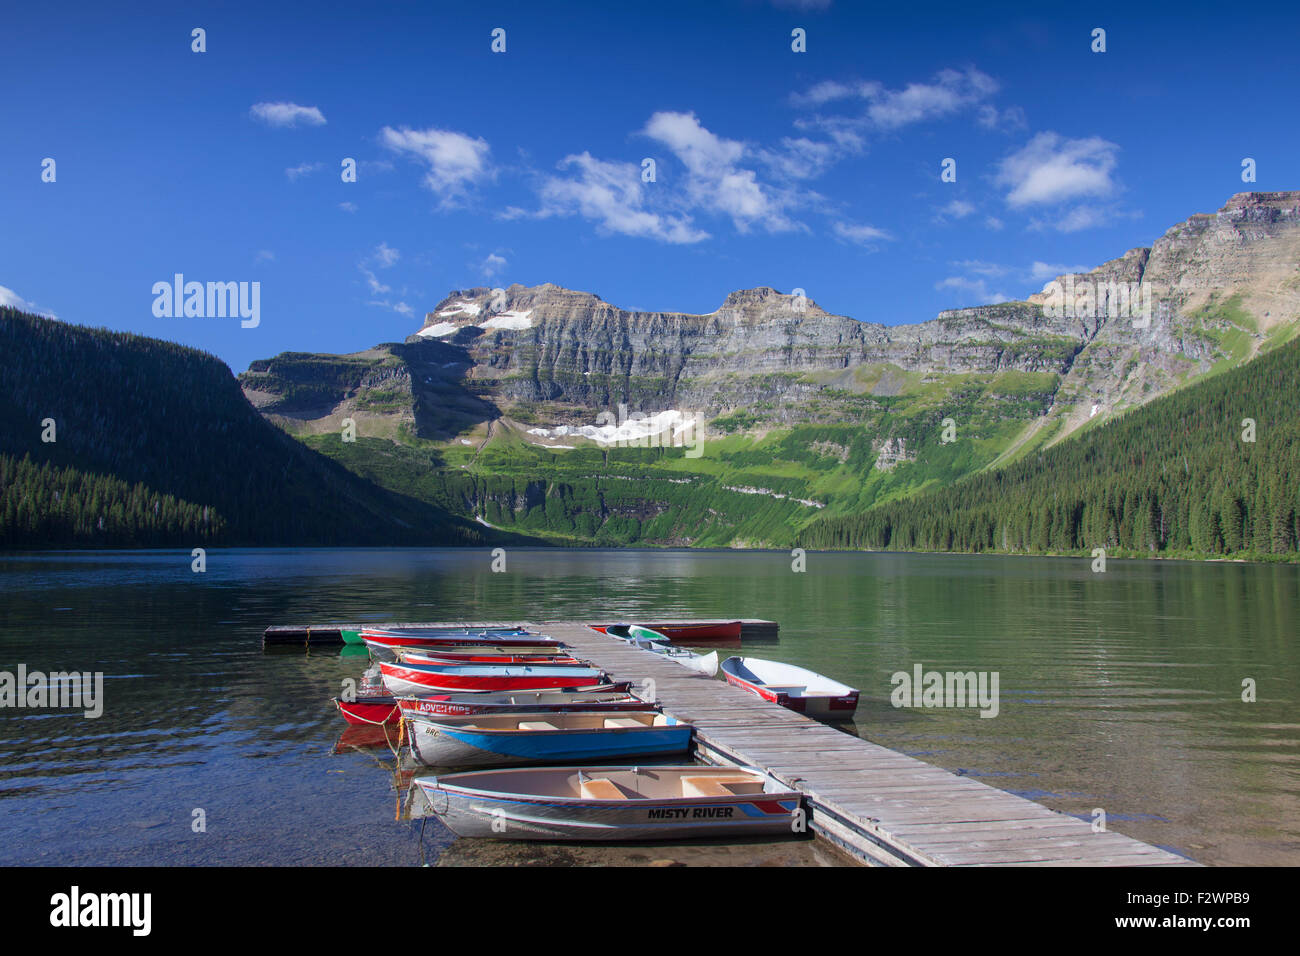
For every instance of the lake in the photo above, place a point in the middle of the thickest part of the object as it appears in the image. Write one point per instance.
(1120, 691)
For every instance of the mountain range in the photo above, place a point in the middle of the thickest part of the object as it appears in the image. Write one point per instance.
(523, 406)
(548, 415)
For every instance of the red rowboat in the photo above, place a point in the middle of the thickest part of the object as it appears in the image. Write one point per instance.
(393, 639)
(385, 709)
(406, 679)
(421, 656)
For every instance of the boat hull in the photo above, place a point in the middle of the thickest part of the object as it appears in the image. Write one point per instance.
(436, 744)
(404, 680)
(429, 633)
(515, 816)
(386, 709)
(452, 642)
(422, 656)
(828, 707)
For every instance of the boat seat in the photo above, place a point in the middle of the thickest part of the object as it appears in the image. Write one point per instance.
(720, 786)
(622, 722)
(662, 720)
(602, 788)
(537, 725)
(792, 690)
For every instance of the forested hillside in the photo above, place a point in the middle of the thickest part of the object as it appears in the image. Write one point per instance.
(1176, 477)
(154, 443)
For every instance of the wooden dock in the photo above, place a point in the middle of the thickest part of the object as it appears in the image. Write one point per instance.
(882, 807)
(312, 635)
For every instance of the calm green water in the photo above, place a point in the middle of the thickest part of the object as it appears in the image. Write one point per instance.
(1119, 690)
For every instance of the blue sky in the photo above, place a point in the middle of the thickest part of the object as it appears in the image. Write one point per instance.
(818, 170)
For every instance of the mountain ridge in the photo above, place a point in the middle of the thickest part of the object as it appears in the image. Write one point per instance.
(806, 403)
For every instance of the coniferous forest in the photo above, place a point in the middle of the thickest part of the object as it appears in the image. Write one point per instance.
(1177, 477)
(118, 440)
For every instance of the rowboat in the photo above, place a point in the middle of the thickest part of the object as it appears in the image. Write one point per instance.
(499, 740)
(390, 640)
(686, 632)
(386, 709)
(440, 657)
(649, 640)
(355, 636)
(794, 687)
(402, 679)
(612, 803)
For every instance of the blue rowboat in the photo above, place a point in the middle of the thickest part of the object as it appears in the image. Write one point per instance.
(613, 803)
(483, 740)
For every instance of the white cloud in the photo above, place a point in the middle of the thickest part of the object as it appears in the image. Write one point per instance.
(1009, 119)
(612, 195)
(264, 255)
(801, 158)
(971, 290)
(948, 92)
(957, 209)
(348, 206)
(994, 223)
(977, 274)
(862, 235)
(982, 268)
(1052, 169)
(302, 169)
(11, 299)
(456, 161)
(492, 265)
(287, 115)
(384, 257)
(399, 307)
(715, 180)
(1043, 271)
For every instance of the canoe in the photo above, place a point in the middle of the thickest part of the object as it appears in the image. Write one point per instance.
(687, 632)
(495, 740)
(649, 640)
(386, 709)
(612, 803)
(793, 687)
(355, 636)
(402, 680)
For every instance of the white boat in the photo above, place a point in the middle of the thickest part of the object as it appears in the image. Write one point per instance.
(796, 688)
(613, 803)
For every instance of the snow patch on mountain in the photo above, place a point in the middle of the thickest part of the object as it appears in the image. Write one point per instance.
(631, 430)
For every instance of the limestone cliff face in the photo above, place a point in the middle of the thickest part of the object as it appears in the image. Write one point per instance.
(1217, 286)
(554, 345)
